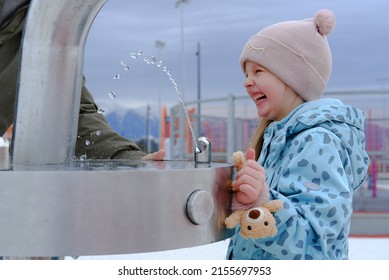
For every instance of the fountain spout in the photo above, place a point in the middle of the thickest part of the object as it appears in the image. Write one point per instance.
(202, 153)
(50, 82)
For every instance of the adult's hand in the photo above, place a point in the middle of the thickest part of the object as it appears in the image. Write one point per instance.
(159, 155)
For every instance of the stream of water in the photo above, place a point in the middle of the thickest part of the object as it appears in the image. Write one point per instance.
(159, 63)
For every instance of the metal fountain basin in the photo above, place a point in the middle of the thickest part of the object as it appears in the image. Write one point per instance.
(112, 207)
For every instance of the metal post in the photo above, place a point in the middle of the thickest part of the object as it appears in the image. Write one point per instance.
(173, 132)
(230, 126)
(48, 98)
(181, 144)
(4, 154)
(159, 45)
(198, 91)
(148, 146)
(182, 138)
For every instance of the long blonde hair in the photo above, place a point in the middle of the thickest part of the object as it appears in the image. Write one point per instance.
(257, 138)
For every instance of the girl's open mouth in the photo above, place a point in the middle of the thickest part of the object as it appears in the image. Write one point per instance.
(259, 97)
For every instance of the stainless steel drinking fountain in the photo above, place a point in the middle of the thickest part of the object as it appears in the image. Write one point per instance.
(51, 205)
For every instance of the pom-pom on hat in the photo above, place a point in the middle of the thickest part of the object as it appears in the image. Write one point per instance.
(297, 52)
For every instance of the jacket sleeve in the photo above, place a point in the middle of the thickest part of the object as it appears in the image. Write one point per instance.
(10, 37)
(96, 139)
(317, 200)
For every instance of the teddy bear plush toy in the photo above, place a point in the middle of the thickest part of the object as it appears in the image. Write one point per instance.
(255, 221)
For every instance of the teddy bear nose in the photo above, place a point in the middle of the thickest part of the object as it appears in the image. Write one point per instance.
(254, 214)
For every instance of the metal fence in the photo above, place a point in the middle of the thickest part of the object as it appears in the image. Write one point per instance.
(229, 123)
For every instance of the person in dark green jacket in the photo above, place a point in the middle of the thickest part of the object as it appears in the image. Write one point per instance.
(107, 145)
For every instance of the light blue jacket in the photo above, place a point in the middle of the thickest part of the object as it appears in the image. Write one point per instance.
(315, 159)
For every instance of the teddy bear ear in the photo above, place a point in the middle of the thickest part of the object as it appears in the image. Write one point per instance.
(273, 205)
(233, 220)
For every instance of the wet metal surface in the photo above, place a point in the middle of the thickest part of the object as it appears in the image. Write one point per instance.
(116, 207)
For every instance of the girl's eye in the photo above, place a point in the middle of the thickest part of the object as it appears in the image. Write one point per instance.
(258, 70)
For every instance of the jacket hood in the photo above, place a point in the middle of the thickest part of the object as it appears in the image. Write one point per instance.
(344, 121)
(329, 111)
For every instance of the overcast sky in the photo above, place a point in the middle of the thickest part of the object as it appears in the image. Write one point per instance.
(359, 43)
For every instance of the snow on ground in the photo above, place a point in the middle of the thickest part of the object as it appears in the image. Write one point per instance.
(360, 249)
(369, 248)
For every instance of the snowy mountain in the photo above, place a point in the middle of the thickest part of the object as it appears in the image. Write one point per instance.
(131, 123)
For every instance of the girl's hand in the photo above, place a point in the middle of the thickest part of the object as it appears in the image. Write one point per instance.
(250, 180)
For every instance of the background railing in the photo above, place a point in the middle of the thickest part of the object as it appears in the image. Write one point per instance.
(229, 123)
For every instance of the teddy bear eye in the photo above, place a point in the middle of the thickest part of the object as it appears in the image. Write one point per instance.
(255, 215)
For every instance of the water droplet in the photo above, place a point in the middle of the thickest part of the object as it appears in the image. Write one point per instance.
(100, 110)
(117, 77)
(98, 132)
(83, 158)
(153, 60)
(125, 66)
(139, 52)
(159, 64)
(134, 55)
(112, 94)
(87, 142)
(147, 60)
(165, 69)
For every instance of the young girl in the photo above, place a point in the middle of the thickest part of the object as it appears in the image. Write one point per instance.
(309, 151)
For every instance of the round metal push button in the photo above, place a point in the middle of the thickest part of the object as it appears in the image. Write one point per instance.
(200, 207)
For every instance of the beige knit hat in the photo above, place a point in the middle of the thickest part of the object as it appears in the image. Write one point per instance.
(297, 52)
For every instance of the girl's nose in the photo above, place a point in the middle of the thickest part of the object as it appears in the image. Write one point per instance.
(248, 82)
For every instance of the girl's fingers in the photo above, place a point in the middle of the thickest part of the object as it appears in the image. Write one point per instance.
(247, 194)
(250, 154)
(248, 180)
(252, 169)
(255, 165)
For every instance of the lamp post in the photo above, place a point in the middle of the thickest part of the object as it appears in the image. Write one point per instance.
(179, 3)
(198, 91)
(159, 45)
(147, 140)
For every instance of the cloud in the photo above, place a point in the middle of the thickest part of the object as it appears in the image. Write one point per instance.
(359, 45)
